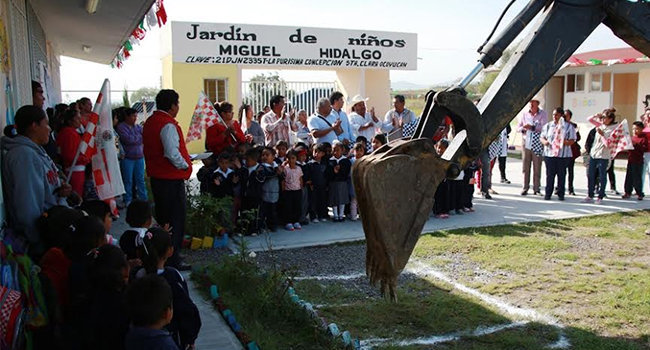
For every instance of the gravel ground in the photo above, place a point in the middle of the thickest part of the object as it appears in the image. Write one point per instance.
(337, 259)
(342, 259)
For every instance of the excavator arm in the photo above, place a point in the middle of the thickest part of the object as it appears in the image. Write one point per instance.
(395, 185)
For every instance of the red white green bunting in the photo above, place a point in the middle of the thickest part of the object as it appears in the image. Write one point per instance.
(576, 62)
(155, 16)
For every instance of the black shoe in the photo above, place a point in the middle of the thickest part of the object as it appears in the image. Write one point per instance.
(571, 192)
(537, 193)
(547, 198)
(523, 193)
(486, 195)
(505, 181)
(560, 198)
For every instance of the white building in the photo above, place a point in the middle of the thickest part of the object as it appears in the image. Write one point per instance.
(593, 81)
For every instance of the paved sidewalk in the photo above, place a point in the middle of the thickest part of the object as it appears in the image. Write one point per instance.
(505, 208)
(215, 333)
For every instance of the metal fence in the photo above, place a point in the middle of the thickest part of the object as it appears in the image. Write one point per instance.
(298, 95)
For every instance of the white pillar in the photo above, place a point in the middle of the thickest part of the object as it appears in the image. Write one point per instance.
(362, 82)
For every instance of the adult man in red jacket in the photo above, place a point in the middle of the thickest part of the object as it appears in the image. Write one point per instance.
(168, 165)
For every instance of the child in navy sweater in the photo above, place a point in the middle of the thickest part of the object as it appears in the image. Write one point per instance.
(318, 185)
(156, 248)
(270, 189)
(251, 188)
(149, 301)
(224, 178)
(338, 172)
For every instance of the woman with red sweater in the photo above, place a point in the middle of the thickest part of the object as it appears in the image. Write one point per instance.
(219, 136)
(68, 141)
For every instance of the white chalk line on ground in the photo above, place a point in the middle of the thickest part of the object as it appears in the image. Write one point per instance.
(438, 339)
(421, 269)
(418, 268)
(353, 276)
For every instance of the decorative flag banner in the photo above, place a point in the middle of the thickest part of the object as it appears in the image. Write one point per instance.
(156, 15)
(558, 139)
(87, 146)
(161, 14)
(106, 169)
(573, 61)
(577, 61)
(204, 116)
(620, 139)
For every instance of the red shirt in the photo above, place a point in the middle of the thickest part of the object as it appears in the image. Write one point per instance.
(68, 140)
(217, 139)
(640, 144)
(55, 266)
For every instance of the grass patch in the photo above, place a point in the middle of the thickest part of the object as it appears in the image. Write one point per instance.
(423, 308)
(591, 272)
(262, 306)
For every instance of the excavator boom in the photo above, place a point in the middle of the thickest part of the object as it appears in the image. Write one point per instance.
(401, 177)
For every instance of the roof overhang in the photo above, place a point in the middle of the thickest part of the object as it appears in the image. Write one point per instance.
(70, 27)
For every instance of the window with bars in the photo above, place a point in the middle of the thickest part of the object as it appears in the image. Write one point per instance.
(216, 89)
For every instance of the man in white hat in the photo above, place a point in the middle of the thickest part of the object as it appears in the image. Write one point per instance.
(363, 123)
(530, 125)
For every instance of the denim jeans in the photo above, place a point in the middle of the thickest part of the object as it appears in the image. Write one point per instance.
(133, 174)
(600, 166)
(555, 167)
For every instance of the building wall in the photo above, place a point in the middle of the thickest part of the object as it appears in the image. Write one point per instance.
(643, 89)
(625, 95)
(167, 76)
(19, 53)
(187, 80)
(371, 83)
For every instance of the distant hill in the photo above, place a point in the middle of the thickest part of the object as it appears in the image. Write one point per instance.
(405, 85)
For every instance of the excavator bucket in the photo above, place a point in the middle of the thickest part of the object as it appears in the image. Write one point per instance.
(395, 188)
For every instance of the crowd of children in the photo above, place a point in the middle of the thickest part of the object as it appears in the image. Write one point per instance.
(105, 294)
(287, 186)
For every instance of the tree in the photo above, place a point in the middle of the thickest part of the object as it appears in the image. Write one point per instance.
(146, 93)
(478, 89)
(125, 98)
(262, 87)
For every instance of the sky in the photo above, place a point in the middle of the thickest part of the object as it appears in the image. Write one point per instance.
(449, 32)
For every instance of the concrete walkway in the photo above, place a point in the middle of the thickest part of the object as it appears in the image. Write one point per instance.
(215, 333)
(506, 207)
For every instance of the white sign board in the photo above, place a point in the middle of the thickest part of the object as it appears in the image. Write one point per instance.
(585, 104)
(261, 45)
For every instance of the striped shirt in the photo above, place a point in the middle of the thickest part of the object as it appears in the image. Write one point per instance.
(548, 133)
(275, 129)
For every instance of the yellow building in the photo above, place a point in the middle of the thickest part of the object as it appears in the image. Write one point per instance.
(210, 57)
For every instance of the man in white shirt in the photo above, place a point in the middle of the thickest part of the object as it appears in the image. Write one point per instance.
(336, 100)
(398, 116)
(323, 125)
(363, 123)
